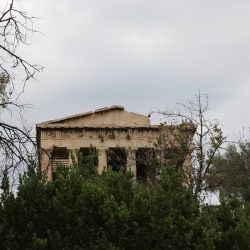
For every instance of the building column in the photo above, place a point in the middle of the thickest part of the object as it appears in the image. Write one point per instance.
(46, 162)
(131, 161)
(102, 157)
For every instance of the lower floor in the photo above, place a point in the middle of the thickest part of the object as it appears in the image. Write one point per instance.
(138, 160)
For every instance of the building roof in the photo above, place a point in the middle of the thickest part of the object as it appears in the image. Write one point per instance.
(112, 117)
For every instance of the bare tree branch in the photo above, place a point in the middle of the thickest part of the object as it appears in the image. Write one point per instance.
(208, 140)
(17, 144)
(16, 28)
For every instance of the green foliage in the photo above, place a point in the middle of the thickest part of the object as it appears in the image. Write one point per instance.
(189, 133)
(82, 210)
(87, 164)
(4, 97)
(232, 171)
(233, 225)
(173, 144)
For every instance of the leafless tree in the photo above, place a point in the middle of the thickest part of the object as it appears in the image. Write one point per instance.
(17, 148)
(17, 144)
(16, 29)
(207, 140)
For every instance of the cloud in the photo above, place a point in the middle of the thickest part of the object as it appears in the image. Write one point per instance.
(139, 54)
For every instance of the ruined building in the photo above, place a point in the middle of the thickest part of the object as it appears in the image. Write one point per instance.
(125, 134)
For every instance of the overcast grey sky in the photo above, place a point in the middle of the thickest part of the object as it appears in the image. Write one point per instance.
(140, 54)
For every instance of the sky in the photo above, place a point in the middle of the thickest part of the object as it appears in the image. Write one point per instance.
(144, 55)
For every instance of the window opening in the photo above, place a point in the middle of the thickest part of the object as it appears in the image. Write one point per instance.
(144, 164)
(117, 159)
(59, 155)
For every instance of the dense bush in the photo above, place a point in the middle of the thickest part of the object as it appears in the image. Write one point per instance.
(83, 210)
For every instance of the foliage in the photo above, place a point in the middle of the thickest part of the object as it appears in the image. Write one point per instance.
(173, 144)
(192, 134)
(110, 211)
(87, 164)
(233, 172)
(233, 225)
(4, 96)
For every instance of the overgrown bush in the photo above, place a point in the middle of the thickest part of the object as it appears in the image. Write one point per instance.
(109, 211)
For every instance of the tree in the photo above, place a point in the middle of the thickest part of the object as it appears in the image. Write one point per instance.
(109, 211)
(233, 225)
(16, 29)
(16, 144)
(206, 142)
(233, 171)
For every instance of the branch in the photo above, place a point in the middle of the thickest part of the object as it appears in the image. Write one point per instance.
(15, 30)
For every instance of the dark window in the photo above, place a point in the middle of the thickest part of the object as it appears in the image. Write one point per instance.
(59, 154)
(116, 158)
(144, 164)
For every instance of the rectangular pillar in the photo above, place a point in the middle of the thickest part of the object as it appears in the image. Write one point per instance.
(102, 157)
(131, 161)
(46, 162)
